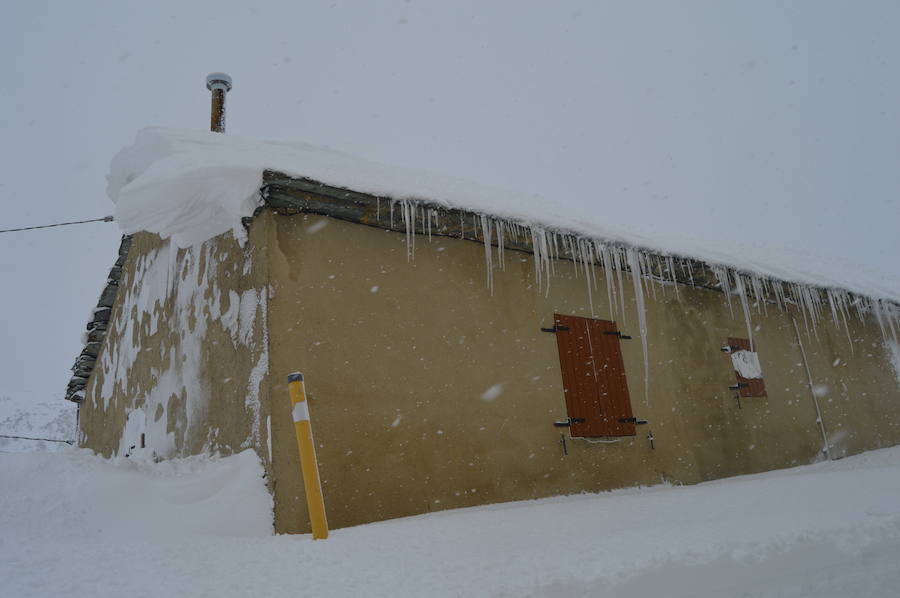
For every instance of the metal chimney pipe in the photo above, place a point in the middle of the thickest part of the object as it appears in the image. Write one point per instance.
(219, 84)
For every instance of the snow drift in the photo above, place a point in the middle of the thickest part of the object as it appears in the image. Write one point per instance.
(77, 525)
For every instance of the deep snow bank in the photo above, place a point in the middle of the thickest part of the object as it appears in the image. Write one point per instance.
(77, 525)
(192, 185)
(75, 497)
(33, 415)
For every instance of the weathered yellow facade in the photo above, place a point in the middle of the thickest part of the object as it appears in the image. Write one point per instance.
(429, 390)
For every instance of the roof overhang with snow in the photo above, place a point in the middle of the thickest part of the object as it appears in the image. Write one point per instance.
(288, 194)
(190, 186)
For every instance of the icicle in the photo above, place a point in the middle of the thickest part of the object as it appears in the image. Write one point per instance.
(861, 308)
(891, 318)
(634, 264)
(570, 249)
(647, 268)
(587, 280)
(778, 289)
(408, 212)
(759, 295)
(592, 259)
(876, 307)
(833, 306)
(739, 287)
(835, 301)
(488, 257)
(499, 226)
(619, 256)
(721, 275)
(670, 264)
(538, 250)
(587, 262)
(605, 263)
(886, 318)
(660, 275)
(810, 306)
(543, 262)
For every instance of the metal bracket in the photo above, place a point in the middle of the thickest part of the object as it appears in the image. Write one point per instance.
(568, 422)
(632, 420)
(616, 333)
(739, 386)
(556, 328)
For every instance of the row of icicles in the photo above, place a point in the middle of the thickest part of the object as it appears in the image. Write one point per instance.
(649, 270)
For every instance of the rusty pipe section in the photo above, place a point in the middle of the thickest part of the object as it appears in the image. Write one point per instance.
(219, 84)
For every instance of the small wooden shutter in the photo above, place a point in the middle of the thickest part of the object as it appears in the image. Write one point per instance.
(593, 377)
(755, 387)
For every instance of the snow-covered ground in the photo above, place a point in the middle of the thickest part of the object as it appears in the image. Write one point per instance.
(77, 525)
(33, 415)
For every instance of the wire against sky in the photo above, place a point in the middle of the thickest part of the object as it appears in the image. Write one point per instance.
(13, 230)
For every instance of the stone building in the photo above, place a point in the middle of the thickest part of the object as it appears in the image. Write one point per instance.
(455, 357)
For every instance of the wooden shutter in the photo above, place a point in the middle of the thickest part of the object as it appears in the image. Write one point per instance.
(755, 387)
(593, 377)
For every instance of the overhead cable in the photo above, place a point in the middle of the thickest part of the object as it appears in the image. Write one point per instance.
(14, 230)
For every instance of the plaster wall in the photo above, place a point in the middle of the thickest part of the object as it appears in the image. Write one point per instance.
(429, 391)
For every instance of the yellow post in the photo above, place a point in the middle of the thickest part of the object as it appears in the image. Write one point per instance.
(308, 464)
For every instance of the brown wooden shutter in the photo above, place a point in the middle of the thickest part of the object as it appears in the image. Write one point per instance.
(755, 387)
(593, 377)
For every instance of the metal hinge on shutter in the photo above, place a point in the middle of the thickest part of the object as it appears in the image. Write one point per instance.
(568, 422)
(616, 333)
(556, 328)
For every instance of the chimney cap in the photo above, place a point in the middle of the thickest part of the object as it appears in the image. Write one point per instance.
(218, 81)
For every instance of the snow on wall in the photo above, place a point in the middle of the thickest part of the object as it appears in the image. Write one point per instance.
(893, 348)
(175, 296)
(746, 363)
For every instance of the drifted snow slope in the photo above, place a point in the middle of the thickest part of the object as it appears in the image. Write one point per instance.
(76, 525)
(192, 185)
(34, 415)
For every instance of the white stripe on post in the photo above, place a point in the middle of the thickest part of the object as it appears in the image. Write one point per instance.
(301, 412)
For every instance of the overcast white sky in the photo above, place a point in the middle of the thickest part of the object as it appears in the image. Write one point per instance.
(783, 116)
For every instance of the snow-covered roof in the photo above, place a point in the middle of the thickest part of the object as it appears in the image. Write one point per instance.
(193, 185)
